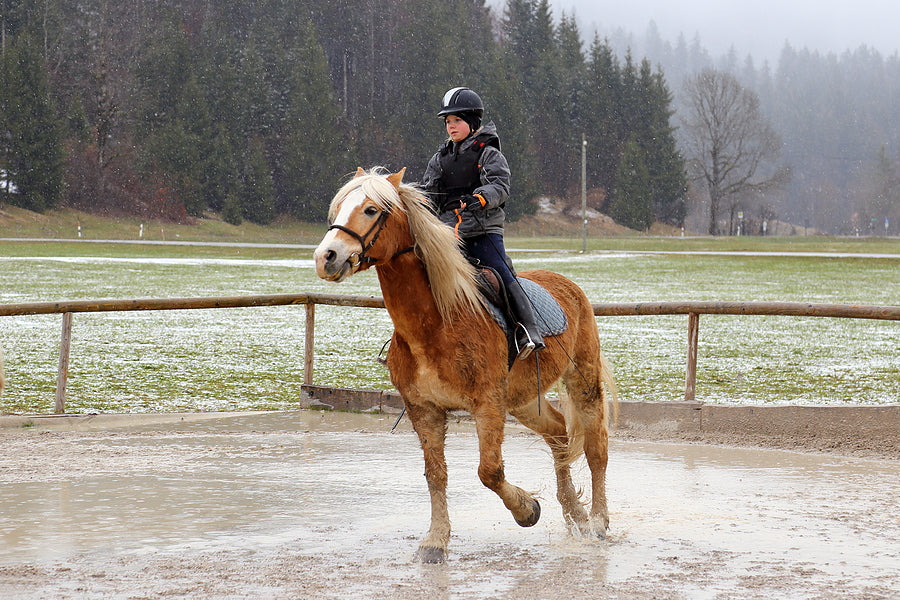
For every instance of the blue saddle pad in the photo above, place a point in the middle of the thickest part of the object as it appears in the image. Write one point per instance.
(549, 315)
(547, 311)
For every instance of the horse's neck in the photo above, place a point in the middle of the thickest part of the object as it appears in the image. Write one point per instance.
(407, 296)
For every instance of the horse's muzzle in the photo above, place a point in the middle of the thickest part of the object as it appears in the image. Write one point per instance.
(333, 265)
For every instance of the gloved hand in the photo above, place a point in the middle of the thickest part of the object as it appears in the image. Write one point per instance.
(470, 202)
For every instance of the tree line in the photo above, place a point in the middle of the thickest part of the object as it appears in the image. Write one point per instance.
(836, 115)
(255, 109)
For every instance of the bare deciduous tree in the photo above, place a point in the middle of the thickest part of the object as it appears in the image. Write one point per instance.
(729, 144)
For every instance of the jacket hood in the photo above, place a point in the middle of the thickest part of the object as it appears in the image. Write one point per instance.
(487, 135)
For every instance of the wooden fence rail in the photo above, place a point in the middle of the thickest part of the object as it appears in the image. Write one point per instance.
(692, 309)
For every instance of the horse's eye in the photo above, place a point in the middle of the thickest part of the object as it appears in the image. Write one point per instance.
(371, 211)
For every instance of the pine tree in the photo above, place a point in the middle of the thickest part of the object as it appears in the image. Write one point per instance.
(602, 90)
(507, 107)
(632, 204)
(257, 198)
(219, 179)
(656, 136)
(544, 93)
(231, 209)
(175, 119)
(441, 45)
(203, 97)
(572, 120)
(30, 133)
(882, 194)
(237, 97)
(311, 153)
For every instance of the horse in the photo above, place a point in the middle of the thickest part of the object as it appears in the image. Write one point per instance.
(446, 353)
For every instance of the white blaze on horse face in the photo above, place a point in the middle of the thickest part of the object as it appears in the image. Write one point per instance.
(349, 206)
(333, 256)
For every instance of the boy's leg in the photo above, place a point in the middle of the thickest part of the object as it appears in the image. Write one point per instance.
(490, 252)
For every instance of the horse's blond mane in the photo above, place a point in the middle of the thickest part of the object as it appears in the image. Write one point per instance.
(451, 277)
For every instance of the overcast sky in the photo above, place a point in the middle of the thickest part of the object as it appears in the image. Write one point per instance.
(757, 27)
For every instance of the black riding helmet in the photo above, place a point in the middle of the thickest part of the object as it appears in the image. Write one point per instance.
(464, 103)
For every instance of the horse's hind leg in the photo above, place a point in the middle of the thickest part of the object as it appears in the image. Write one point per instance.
(596, 451)
(586, 392)
(430, 424)
(489, 423)
(550, 424)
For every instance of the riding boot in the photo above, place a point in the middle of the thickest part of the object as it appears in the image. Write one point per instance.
(528, 334)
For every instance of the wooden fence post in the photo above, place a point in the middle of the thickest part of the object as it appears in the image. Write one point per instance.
(690, 377)
(308, 344)
(62, 374)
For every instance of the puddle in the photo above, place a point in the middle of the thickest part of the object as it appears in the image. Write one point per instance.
(334, 506)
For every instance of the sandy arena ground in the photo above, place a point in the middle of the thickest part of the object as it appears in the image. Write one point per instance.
(317, 505)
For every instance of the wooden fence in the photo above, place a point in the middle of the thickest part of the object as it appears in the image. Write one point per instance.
(692, 309)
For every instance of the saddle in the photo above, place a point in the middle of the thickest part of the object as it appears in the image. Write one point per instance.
(547, 312)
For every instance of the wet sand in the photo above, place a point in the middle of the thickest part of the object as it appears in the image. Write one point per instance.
(317, 505)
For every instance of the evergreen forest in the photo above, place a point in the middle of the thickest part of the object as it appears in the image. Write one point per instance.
(254, 109)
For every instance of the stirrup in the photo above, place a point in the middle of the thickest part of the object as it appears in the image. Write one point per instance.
(524, 351)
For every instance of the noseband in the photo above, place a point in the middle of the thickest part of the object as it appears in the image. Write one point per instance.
(377, 226)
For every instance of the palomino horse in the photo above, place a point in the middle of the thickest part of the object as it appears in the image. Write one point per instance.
(447, 353)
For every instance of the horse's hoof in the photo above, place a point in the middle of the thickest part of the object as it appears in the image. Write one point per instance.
(579, 528)
(600, 528)
(431, 555)
(535, 515)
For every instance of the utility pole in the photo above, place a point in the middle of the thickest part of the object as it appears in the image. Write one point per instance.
(583, 193)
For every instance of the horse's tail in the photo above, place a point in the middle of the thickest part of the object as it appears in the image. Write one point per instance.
(574, 430)
(612, 395)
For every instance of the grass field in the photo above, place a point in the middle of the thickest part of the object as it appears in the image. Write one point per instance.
(235, 359)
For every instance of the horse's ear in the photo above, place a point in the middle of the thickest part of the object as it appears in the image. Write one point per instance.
(359, 172)
(397, 177)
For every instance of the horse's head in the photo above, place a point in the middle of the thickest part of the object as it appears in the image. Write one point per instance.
(359, 215)
(376, 218)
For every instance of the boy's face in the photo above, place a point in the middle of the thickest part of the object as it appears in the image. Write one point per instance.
(457, 129)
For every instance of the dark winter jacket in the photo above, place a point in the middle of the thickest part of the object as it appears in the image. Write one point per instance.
(472, 167)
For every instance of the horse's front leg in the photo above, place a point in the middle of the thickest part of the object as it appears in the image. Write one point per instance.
(489, 423)
(430, 424)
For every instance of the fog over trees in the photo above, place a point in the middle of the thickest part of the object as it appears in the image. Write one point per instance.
(838, 116)
(254, 109)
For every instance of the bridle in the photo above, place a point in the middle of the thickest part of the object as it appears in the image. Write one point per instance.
(362, 256)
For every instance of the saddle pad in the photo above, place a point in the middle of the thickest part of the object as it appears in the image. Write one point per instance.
(547, 312)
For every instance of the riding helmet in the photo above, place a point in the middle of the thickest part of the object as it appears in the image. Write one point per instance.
(464, 103)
